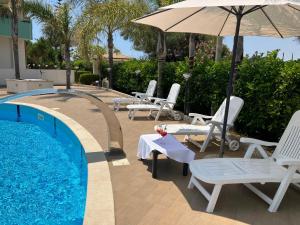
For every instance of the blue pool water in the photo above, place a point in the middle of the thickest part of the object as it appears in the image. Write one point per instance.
(43, 174)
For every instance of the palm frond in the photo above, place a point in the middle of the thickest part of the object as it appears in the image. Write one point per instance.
(5, 10)
(39, 10)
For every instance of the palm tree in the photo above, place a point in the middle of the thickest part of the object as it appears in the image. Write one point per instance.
(10, 10)
(161, 50)
(59, 20)
(106, 18)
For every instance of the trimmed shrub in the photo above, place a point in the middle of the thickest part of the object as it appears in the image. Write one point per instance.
(126, 79)
(87, 78)
(270, 88)
(78, 74)
(82, 65)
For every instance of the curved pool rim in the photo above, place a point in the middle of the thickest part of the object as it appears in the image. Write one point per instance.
(99, 207)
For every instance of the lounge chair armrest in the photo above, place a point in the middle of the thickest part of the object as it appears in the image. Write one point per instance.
(200, 115)
(288, 162)
(216, 123)
(135, 92)
(156, 100)
(255, 144)
(258, 142)
(139, 94)
(142, 96)
(164, 102)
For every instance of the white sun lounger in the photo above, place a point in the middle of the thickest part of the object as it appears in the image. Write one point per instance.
(160, 105)
(281, 168)
(137, 98)
(212, 127)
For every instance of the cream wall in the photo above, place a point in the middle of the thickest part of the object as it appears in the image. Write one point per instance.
(7, 65)
(6, 58)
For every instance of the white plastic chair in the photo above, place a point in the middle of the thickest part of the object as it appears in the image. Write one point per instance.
(281, 168)
(138, 97)
(212, 127)
(160, 105)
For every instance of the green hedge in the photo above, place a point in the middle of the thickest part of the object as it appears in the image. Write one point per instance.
(125, 78)
(269, 86)
(79, 73)
(87, 78)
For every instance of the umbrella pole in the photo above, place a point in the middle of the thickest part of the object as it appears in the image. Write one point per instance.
(230, 82)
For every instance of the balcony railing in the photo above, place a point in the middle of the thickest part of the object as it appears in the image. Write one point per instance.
(25, 28)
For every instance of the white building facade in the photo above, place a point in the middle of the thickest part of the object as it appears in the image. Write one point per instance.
(7, 70)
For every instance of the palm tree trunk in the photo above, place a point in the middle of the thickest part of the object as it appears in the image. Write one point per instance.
(15, 38)
(219, 47)
(110, 45)
(68, 65)
(161, 51)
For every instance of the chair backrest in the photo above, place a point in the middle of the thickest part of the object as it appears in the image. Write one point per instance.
(151, 88)
(173, 94)
(236, 104)
(289, 144)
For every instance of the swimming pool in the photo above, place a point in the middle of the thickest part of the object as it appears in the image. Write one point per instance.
(43, 169)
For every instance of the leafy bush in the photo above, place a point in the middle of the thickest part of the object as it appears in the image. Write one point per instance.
(126, 79)
(79, 73)
(87, 78)
(82, 65)
(269, 86)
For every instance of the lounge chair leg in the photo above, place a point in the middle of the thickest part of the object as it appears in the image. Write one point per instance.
(207, 140)
(157, 115)
(213, 198)
(129, 113)
(186, 138)
(282, 189)
(191, 184)
(132, 114)
(204, 145)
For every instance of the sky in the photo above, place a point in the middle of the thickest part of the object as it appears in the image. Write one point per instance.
(289, 47)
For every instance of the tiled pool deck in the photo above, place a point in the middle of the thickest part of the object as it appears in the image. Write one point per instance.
(141, 200)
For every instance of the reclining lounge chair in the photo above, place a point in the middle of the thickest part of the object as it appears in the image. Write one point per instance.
(280, 168)
(137, 98)
(159, 105)
(212, 127)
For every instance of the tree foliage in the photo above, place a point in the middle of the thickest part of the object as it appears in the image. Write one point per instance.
(104, 18)
(57, 21)
(41, 53)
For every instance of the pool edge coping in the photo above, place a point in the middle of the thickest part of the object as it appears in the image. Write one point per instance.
(99, 207)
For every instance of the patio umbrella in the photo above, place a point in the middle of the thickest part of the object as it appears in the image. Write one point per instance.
(277, 18)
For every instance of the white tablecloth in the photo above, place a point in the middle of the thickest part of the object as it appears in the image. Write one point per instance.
(168, 145)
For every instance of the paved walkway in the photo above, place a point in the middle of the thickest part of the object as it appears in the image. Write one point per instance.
(141, 200)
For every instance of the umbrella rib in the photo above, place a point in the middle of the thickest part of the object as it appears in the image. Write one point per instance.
(224, 23)
(253, 9)
(266, 15)
(293, 7)
(189, 16)
(151, 14)
(228, 10)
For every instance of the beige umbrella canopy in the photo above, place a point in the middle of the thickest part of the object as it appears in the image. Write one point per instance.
(278, 18)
